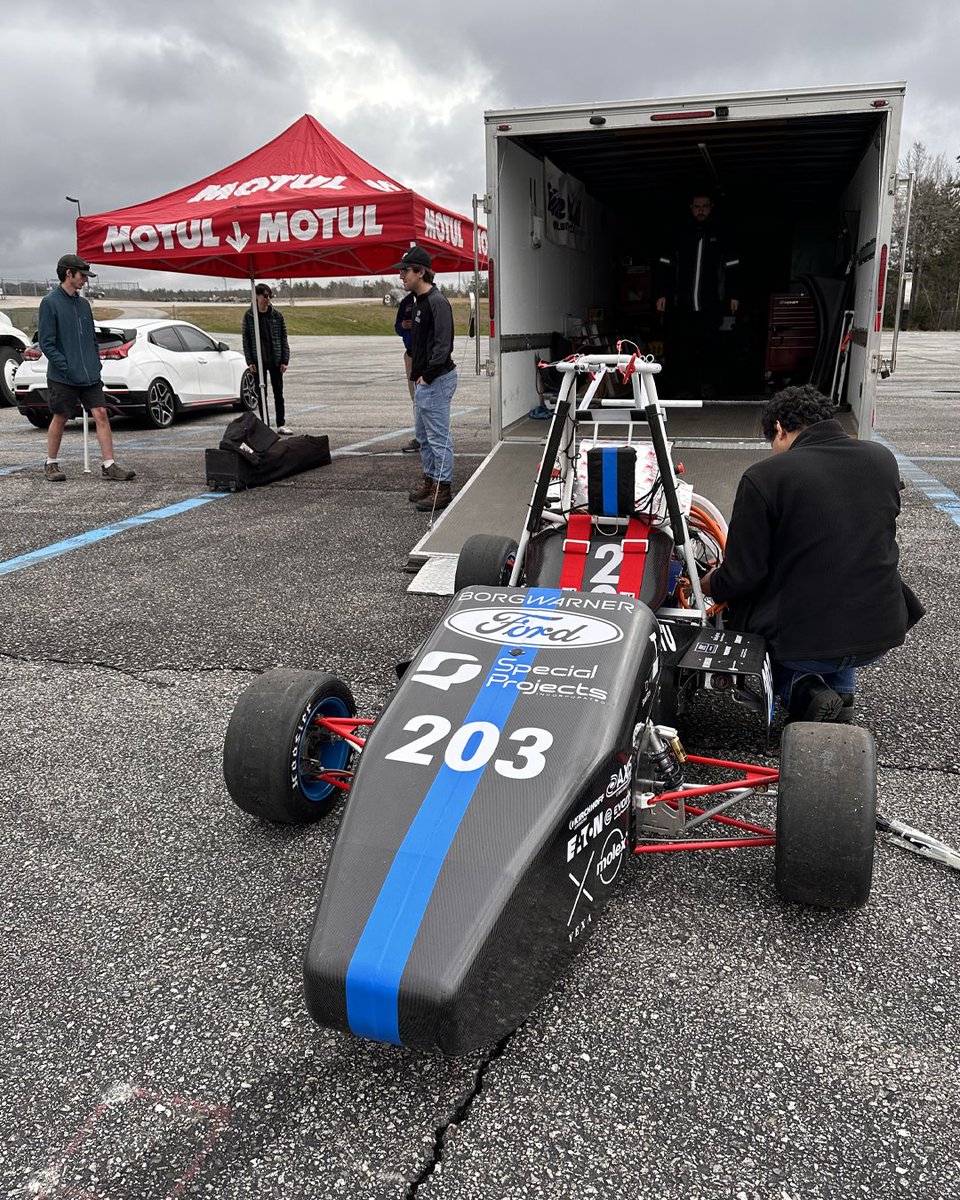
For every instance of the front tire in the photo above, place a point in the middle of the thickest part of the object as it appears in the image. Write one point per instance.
(826, 815)
(273, 753)
(249, 398)
(161, 404)
(10, 359)
(485, 558)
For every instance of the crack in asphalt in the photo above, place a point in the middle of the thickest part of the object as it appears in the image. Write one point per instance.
(458, 1116)
(927, 768)
(140, 678)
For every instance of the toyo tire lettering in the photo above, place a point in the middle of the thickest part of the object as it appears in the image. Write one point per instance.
(274, 754)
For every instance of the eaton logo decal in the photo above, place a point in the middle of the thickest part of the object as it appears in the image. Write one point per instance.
(442, 670)
(508, 627)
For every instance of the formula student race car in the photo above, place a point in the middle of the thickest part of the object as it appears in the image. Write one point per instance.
(530, 746)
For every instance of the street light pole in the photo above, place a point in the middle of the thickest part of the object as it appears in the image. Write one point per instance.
(74, 200)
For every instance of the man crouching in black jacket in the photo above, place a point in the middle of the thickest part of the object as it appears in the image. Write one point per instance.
(811, 556)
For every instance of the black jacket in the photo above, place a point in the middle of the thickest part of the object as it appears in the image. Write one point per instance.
(699, 269)
(280, 346)
(811, 559)
(432, 350)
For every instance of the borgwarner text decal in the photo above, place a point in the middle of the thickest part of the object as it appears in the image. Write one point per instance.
(513, 627)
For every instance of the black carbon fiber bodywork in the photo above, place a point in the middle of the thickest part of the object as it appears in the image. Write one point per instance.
(488, 819)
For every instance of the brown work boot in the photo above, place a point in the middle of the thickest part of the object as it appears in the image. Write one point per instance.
(115, 471)
(424, 489)
(52, 473)
(438, 496)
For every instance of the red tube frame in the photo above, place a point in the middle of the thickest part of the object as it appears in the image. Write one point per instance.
(342, 727)
(753, 776)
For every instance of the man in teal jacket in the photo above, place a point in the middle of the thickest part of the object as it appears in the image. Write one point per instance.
(67, 339)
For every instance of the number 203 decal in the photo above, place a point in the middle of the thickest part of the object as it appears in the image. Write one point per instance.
(473, 745)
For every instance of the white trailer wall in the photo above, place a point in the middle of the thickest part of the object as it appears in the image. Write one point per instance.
(547, 282)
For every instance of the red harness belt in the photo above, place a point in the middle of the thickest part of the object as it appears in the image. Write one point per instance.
(576, 548)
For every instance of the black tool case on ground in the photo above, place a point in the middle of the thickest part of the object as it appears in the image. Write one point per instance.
(227, 471)
(251, 454)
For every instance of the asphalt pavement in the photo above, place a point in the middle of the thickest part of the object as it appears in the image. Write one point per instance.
(708, 1042)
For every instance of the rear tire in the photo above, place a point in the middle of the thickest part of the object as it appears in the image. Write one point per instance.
(826, 815)
(38, 417)
(273, 753)
(485, 558)
(10, 359)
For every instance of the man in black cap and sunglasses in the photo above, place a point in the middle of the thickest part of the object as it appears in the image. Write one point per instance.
(66, 336)
(435, 375)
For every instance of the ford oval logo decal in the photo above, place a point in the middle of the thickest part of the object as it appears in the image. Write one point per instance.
(537, 629)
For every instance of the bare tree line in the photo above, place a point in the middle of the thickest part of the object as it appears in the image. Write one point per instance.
(933, 243)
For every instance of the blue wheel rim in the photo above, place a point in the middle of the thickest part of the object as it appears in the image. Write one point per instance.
(316, 745)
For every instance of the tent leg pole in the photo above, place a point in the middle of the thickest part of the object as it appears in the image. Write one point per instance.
(261, 378)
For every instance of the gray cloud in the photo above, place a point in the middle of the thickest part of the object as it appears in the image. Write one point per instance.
(119, 105)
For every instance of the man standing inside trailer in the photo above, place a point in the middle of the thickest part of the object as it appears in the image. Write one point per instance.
(696, 280)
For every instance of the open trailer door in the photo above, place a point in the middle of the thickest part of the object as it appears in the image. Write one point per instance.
(871, 196)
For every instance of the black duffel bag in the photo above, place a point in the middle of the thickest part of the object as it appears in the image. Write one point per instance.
(249, 437)
(251, 454)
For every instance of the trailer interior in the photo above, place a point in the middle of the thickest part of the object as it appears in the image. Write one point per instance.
(801, 182)
(799, 197)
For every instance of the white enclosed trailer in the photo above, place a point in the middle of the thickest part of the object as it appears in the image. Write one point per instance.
(581, 198)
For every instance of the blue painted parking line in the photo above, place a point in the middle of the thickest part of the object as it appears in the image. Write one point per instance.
(56, 549)
(81, 540)
(22, 467)
(939, 495)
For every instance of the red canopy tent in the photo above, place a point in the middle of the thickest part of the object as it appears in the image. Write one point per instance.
(303, 205)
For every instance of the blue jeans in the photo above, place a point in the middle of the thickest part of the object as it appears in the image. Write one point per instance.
(837, 673)
(431, 418)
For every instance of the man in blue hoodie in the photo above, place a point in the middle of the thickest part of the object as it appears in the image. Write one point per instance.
(66, 336)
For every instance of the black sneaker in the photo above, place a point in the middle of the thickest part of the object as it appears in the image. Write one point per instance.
(411, 447)
(115, 471)
(53, 474)
(847, 716)
(812, 700)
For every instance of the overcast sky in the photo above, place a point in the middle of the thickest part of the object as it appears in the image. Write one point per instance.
(119, 103)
